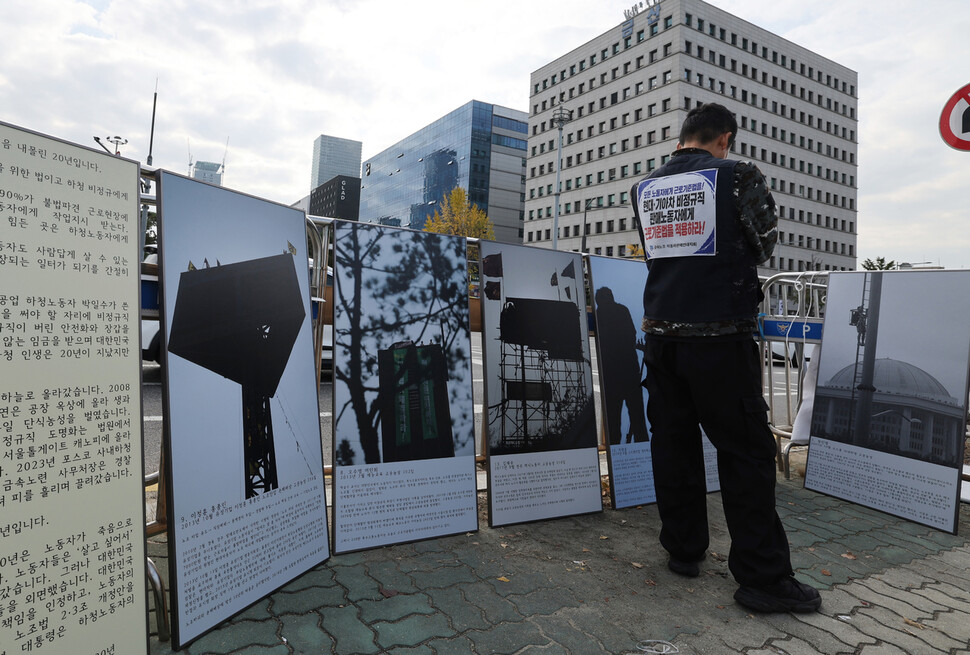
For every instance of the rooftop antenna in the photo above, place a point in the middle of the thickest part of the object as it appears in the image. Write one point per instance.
(117, 142)
(151, 137)
(97, 140)
(224, 155)
(188, 145)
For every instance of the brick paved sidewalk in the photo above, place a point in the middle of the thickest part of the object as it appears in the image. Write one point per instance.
(599, 584)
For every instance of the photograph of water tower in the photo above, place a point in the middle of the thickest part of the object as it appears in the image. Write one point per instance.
(538, 380)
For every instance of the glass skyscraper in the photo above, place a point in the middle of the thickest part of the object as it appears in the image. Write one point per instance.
(479, 147)
(333, 156)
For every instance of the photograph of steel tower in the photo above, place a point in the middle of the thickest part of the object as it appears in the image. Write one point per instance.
(479, 146)
(626, 94)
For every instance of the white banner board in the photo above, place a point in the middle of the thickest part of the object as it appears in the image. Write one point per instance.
(617, 289)
(404, 429)
(539, 410)
(247, 506)
(72, 513)
(890, 413)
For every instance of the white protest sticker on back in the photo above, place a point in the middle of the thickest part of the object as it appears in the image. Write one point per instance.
(677, 214)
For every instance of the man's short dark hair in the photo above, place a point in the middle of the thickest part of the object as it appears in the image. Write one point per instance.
(707, 122)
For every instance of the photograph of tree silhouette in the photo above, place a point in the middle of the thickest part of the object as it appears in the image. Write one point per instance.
(402, 346)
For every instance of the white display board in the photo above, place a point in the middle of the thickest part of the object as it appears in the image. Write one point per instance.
(889, 418)
(617, 290)
(404, 429)
(72, 513)
(540, 417)
(247, 507)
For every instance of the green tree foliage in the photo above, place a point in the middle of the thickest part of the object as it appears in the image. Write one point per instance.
(879, 265)
(459, 217)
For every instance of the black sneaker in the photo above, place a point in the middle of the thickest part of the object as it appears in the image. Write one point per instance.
(786, 595)
(686, 568)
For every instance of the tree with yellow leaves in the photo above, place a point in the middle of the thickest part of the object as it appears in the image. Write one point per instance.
(635, 251)
(459, 217)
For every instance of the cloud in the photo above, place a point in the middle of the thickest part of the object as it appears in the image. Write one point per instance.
(271, 75)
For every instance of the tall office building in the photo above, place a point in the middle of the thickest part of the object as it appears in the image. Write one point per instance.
(337, 198)
(628, 91)
(479, 147)
(333, 156)
(208, 171)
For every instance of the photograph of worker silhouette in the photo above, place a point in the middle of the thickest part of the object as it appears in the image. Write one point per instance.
(622, 369)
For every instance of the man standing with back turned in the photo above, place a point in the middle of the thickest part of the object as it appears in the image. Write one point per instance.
(706, 222)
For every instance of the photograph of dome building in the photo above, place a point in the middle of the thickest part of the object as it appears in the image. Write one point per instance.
(893, 368)
(912, 413)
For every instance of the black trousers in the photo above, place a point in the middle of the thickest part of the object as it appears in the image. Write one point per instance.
(717, 384)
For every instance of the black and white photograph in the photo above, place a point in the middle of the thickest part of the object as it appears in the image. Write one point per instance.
(893, 368)
(404, 442)
(617, 289)
(244, 432)
(892, 380)
(618, 307)
(402, 346)
(538, 387)
(539, 412)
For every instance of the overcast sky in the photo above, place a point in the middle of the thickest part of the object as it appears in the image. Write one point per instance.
(270, 76)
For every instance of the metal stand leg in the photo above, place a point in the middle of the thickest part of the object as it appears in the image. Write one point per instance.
(161, 605)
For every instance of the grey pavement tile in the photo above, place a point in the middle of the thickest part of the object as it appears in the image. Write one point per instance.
(890, 631)
(412, 630)
(507, 638)
(307, 600)
(840, 626)
(946, 587)
(921, 632)
(390, 577)
(444, 576)
(901, 578)
(463, 614)
(562, 631)
(394, 608)
(497, 608)
(410, 650)
(320, 576)
(814, 630)
(304, 635)
(885, 649)
(258, 611)
(543, 601)
(357, 584)
(792, 645)
(232, 636)
(877, 592)
(282, 649)
(348, 631)
(943, 599)
(459, 645)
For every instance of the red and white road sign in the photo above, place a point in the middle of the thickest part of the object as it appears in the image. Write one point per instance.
(955, 120)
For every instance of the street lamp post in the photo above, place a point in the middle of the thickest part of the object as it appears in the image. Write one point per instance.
(559, 118)
(582, 248)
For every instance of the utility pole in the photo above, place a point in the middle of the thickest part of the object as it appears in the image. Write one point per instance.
(559, 118)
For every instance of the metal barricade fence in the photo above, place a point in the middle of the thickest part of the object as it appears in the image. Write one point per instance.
(790, 329)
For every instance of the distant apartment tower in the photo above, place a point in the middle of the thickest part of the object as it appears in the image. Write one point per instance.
(629, 91)
(333, 156)
(208, 171)
(337, 198)
(479, 147)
